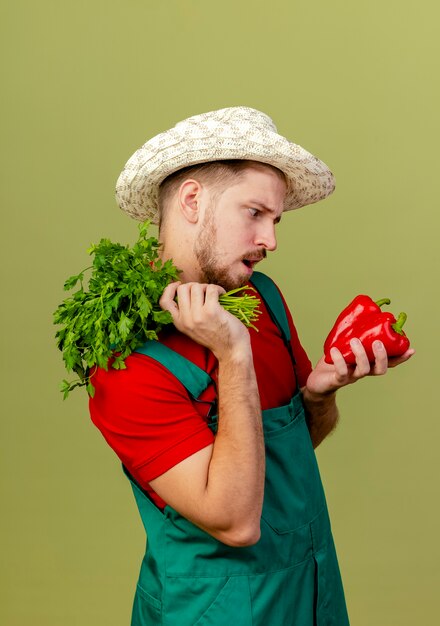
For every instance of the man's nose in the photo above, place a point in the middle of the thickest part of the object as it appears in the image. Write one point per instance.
(267, 238)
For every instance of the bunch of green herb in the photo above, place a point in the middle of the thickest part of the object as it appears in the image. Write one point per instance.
(120, 309)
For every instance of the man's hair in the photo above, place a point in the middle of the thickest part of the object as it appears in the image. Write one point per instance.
(216, 174)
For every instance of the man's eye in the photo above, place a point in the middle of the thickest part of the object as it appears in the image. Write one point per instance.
(253, 212)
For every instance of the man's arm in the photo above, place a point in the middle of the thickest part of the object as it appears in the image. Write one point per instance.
(322, 414)
(320, 391)
(220, 488)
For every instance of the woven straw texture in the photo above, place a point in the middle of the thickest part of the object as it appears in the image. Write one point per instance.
(232, 133)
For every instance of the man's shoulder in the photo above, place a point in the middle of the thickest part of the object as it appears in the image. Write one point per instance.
(148, 370)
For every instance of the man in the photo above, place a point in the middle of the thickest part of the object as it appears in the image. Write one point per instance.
(215, 424)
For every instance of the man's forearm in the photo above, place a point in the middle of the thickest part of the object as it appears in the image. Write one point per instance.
(220, 488)
(321, 414)
(237, 468)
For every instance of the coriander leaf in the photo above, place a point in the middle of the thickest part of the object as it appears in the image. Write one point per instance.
(124, 325)
(72, 281)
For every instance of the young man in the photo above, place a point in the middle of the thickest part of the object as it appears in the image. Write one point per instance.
(215, 424)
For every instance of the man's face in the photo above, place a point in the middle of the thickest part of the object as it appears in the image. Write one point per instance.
(239, 228)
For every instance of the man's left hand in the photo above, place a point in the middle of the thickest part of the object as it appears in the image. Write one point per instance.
(328, 378)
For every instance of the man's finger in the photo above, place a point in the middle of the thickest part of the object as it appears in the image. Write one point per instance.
(183, 296)
(197, 294)
(363, 366)
(397, 360)
(381, 359)
(166, 301)
(213, 292)
(341, 367)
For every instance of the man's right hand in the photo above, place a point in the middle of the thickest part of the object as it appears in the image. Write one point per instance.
(196, 312)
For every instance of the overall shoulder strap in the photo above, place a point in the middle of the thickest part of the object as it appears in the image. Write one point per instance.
(272, 298)
(192, 377)
(274, 302)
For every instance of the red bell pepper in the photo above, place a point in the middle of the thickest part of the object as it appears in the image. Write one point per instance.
(363, 319)
(359, 307)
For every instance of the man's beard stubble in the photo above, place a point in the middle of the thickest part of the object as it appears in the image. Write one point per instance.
(210, 268)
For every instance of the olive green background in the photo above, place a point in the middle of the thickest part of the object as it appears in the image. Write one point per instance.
(84, 84)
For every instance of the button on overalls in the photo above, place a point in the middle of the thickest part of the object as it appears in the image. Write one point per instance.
(291, 576)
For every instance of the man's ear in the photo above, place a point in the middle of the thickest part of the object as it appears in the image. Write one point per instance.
(189, 200)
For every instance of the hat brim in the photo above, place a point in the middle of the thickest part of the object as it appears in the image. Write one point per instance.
(309, 180)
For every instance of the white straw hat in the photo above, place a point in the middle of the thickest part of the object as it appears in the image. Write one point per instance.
(232, 133)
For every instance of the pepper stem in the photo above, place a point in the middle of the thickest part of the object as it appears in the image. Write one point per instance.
(383, 301)
(397, 326)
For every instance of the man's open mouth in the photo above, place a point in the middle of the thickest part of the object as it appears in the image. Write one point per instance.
(251, 261)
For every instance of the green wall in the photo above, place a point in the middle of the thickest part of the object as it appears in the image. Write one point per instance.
(84, 85)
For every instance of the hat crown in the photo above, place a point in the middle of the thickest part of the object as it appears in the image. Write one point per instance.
(237, 118)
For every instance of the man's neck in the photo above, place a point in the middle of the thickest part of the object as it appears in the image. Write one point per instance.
(181, 255)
